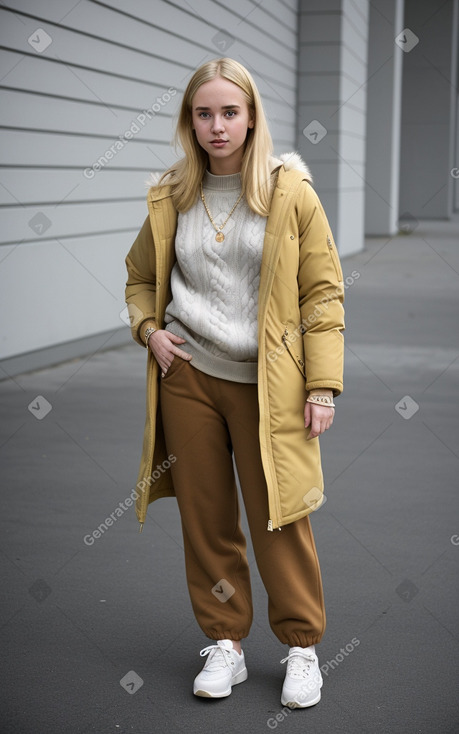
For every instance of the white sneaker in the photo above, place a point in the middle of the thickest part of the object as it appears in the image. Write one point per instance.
(223, 668)
(303, 679)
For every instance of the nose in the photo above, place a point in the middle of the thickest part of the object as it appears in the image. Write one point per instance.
(217, 124)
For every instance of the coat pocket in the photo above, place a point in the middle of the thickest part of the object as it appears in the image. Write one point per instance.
(290, 341)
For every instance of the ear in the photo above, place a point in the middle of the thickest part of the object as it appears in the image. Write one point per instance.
(251, 123)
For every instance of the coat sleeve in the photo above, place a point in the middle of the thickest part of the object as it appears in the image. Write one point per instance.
(140, 294)
(321, 294)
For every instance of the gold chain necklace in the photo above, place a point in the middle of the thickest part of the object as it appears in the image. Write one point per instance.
(219, 236)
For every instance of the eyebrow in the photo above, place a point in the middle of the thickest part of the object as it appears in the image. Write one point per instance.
(225, 107)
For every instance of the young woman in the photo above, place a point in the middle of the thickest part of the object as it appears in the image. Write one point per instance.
(235, 288)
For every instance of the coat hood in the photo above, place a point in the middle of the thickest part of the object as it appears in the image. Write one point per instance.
(291, 162)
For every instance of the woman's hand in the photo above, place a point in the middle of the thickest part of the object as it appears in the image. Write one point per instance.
(319, 417)
(162, 344)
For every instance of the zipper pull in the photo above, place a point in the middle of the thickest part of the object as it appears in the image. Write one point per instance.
(270, 525)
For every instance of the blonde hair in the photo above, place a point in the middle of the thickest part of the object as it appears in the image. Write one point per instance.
(185, 175)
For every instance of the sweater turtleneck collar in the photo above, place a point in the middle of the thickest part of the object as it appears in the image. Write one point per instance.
(222, 183)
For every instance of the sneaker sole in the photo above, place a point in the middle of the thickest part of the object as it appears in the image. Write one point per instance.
(239, 678)
(295, 705)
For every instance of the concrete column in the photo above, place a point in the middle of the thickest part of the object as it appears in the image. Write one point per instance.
(429, 118)
(332, 75)
(384, 97)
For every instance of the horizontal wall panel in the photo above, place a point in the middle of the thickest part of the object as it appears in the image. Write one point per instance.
(282, 12)
(82, 119)
(26, 223)
(238, 20)
(229, 17)
(75, 290)
(38, 148)
(96, 30)
(48, 186)
(69, 47)
(99, 88)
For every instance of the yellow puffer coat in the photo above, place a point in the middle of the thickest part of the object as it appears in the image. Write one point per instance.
(300, 340)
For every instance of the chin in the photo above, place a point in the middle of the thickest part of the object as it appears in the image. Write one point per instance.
(219, 152)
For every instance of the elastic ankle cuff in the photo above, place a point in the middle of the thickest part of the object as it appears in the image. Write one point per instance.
(301, 642)
(225, 635)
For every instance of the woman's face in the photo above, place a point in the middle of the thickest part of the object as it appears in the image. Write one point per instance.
(220, 118)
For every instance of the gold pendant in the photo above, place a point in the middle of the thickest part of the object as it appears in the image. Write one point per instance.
(219, 236)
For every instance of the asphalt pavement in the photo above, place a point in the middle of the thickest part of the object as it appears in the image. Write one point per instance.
(99, 636)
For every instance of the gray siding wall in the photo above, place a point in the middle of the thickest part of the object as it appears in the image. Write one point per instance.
(77, 145)
(332, 110)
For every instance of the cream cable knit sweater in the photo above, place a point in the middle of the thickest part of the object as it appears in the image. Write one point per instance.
(215, 284)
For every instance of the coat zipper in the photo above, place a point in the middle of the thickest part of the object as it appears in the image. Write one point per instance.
(334, 258)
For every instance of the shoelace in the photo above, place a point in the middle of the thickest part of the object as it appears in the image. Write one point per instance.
(299, 663)
(215, 661)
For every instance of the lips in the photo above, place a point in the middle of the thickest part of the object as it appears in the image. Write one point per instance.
(218, 140)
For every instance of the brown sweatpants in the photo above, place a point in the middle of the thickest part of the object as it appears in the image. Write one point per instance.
(206, 419)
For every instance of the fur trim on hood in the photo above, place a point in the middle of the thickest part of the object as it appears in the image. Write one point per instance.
(293, 161)
(290, 161)
(153, 179)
